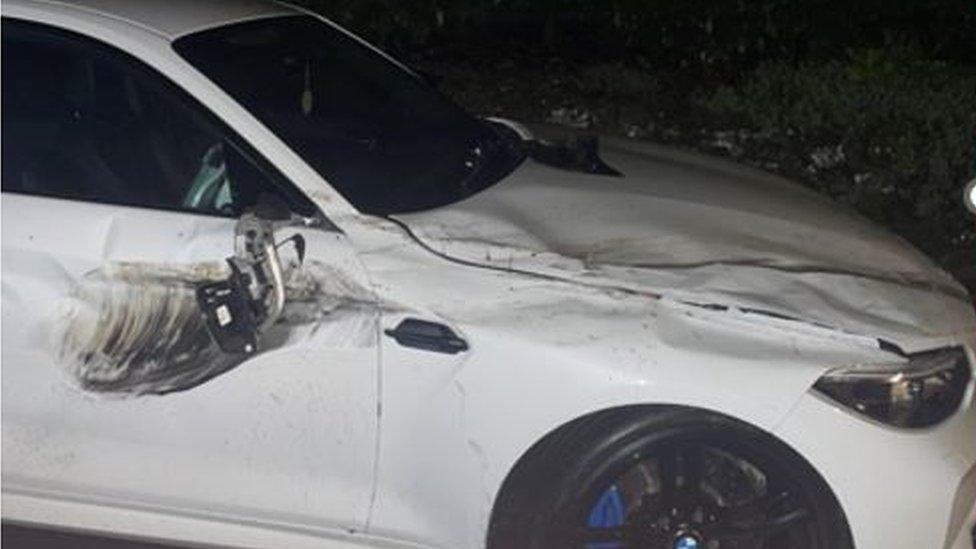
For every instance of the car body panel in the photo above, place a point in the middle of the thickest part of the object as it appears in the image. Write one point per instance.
(172, 18)
(881, 469)
(707, 234)
(479, 413)
(288, 434)
(174, 525)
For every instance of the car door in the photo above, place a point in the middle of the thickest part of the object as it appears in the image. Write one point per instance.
(124, 202)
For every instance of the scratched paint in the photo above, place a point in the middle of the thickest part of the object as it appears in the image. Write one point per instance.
(136, 329)
(696, 230)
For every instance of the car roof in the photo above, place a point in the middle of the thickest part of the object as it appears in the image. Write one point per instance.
(171, 18)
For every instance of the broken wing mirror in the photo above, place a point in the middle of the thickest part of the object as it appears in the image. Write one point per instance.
(228, 314)
(299, 242)
(237, 309)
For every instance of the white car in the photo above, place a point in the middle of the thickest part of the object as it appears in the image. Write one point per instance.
(264, 287)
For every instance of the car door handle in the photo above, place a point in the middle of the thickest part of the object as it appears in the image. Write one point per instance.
(428, 336)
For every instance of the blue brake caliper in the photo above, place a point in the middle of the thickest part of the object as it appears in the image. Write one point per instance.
(607, 512)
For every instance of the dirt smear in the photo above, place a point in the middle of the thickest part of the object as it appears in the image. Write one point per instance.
(136, 329)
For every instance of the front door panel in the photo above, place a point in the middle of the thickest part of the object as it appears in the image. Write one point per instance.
(113, 393)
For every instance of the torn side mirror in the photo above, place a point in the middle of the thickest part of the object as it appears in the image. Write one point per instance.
(228, 313)
(236, 310)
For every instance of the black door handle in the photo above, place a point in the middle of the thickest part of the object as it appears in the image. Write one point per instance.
(429, 336)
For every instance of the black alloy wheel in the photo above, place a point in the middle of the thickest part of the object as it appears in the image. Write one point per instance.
(665, 478)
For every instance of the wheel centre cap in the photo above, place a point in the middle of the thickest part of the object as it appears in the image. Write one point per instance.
(687, 540)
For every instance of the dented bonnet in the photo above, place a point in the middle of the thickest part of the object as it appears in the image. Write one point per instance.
(703, 231)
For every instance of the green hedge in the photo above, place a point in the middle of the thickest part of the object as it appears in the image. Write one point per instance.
(895, 139)
(676, 31)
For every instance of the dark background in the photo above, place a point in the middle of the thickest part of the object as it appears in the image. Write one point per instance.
(22, 537)
(872, 102)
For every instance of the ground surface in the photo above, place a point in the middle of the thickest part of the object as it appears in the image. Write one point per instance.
(19, 537)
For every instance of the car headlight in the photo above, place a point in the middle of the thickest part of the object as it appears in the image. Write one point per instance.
(918, 392)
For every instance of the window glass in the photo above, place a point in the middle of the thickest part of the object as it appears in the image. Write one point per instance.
(84, 121)
(388, 142)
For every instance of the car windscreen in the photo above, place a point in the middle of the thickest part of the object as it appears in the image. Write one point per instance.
(380, 135)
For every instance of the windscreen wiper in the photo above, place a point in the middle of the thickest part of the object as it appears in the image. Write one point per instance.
(582, 154)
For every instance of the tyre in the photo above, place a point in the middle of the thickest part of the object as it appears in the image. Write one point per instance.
(669, 478)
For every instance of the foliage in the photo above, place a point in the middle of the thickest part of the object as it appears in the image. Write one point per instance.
(679, 32)
(894, 138)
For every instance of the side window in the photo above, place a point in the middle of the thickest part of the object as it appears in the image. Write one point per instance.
(84, 121)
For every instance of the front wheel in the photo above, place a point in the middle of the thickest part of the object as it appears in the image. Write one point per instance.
(668, 478)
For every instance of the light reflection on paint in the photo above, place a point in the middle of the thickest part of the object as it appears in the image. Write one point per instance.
(969, 196)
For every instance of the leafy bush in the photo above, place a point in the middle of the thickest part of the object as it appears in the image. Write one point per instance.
(895, 138)
(677, 32)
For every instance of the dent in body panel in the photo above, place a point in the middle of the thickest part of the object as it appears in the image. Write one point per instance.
(689, 231)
